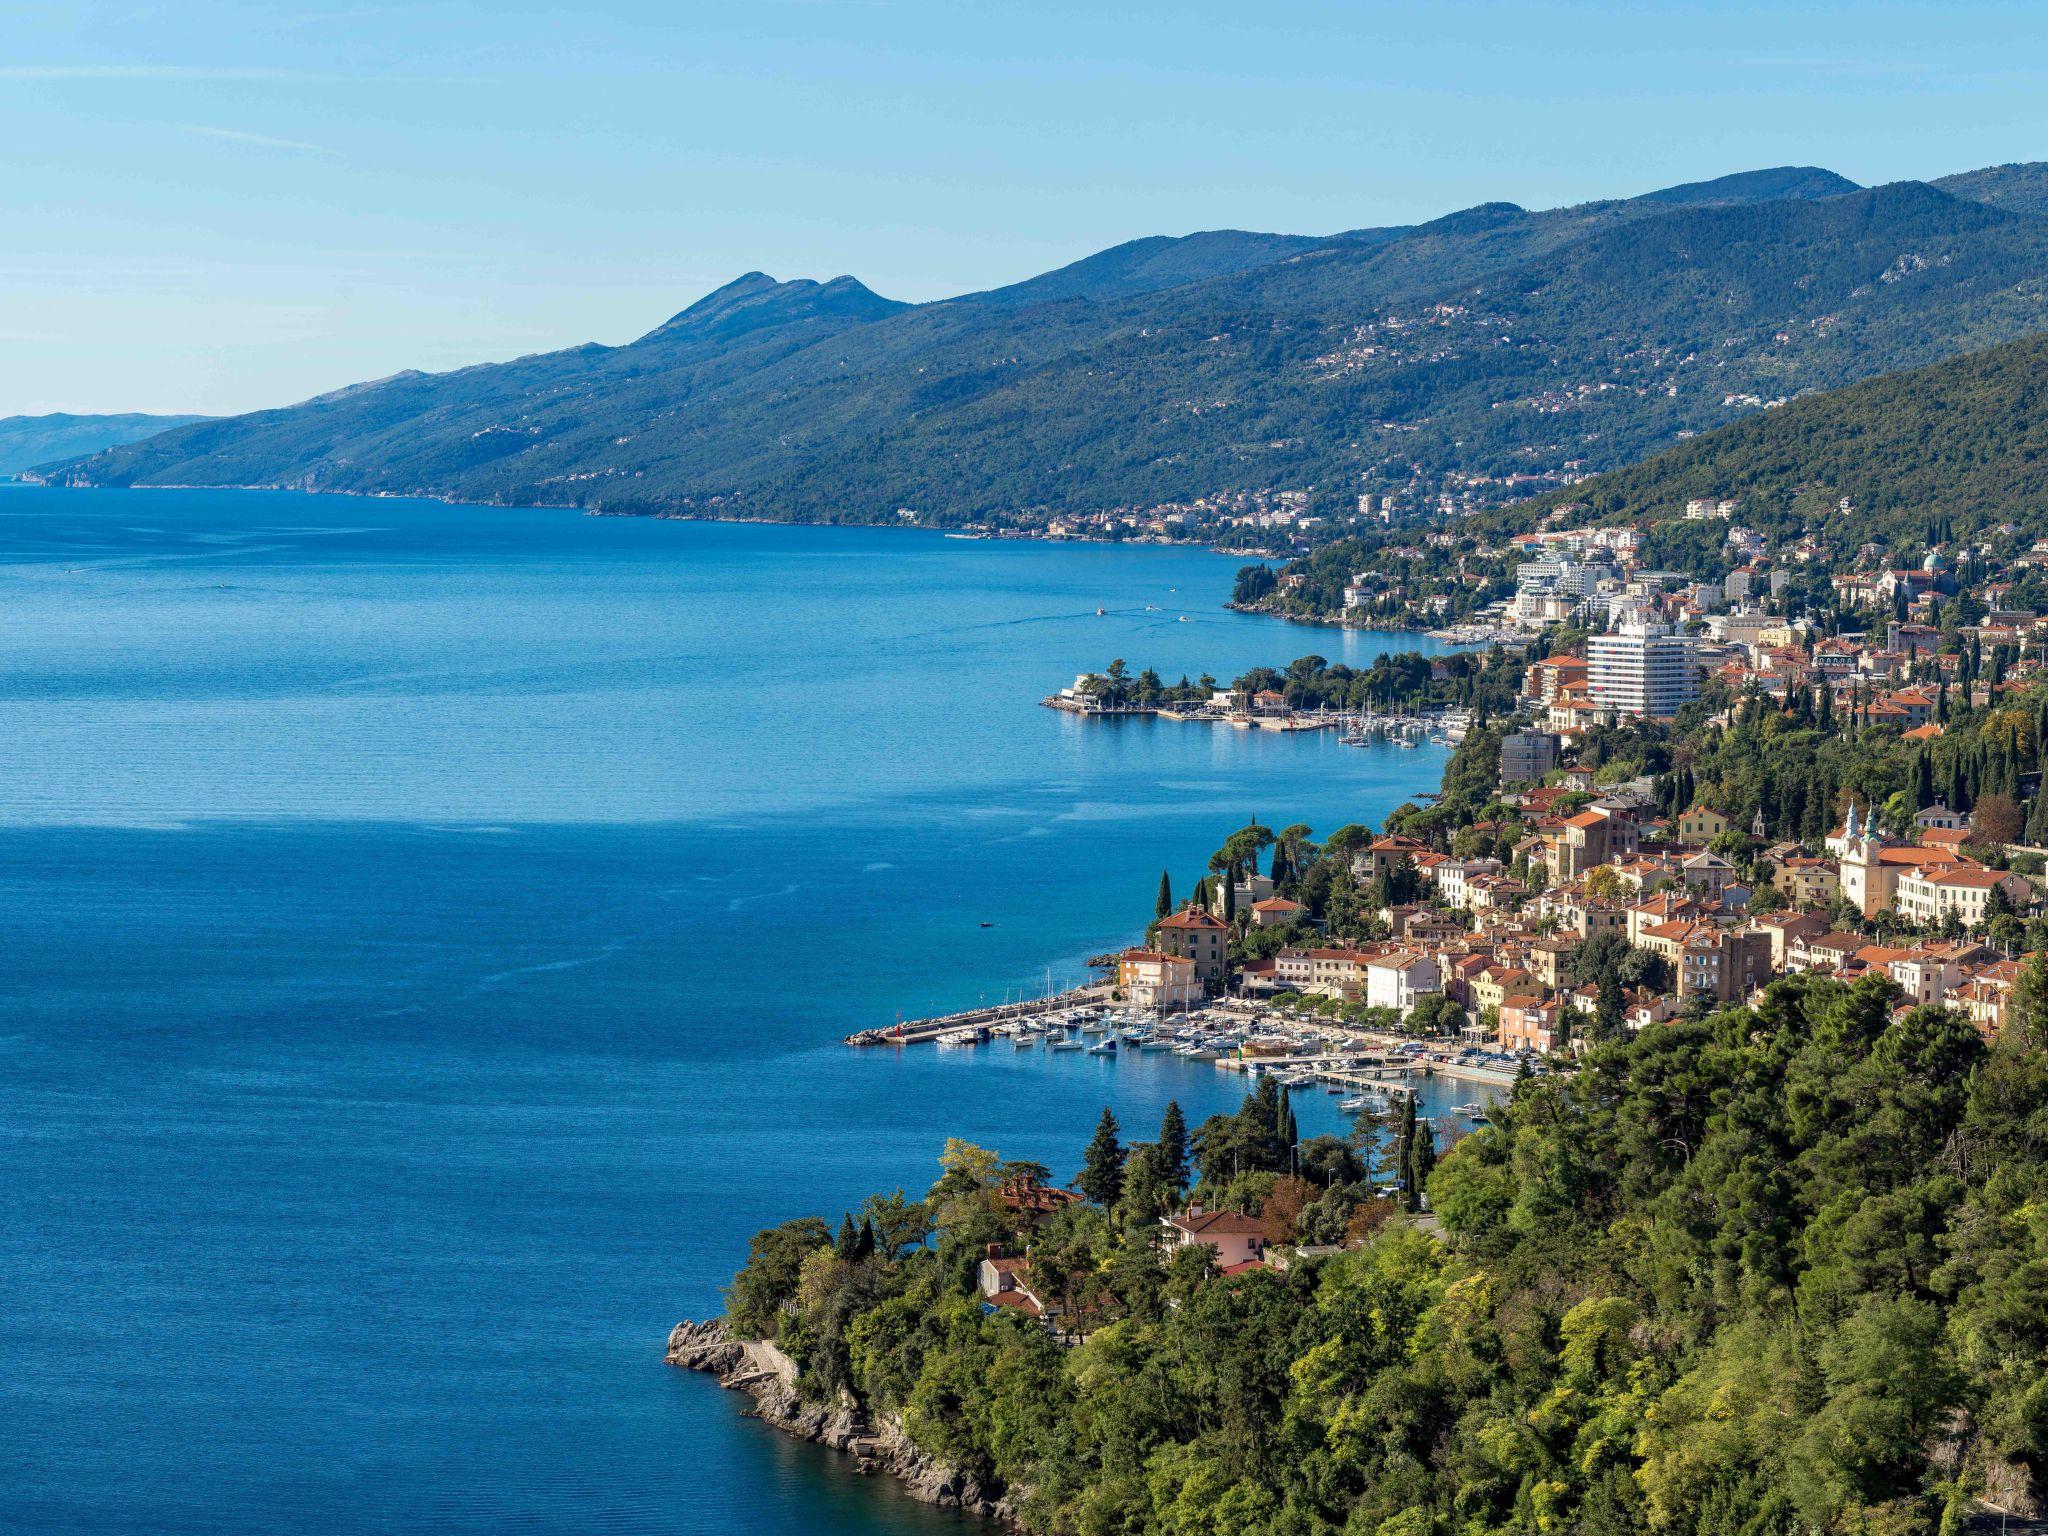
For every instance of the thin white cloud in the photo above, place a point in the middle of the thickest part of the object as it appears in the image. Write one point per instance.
(254, 140)
(140, 72)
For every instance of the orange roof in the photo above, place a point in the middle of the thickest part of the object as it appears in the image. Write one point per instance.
(1193, 917)
(1926, 857)
(1017, 1301)
(1975, 879)
(1218, 1224)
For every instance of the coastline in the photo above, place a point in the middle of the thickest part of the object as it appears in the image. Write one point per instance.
(766, 1374)
(1030, 535)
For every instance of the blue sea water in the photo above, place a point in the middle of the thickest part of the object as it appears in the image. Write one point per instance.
(428, 932)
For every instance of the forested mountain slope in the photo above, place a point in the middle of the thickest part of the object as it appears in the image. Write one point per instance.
(1965, 442)
(1479, 356)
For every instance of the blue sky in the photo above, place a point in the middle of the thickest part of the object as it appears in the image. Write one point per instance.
(223, 206)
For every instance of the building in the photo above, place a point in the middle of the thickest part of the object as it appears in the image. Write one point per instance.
(1529, 1022)
(1590, 839)
(1006, 1285)
(1642, 670)
(1198, 936)
(1398, 980)
(1707, 874)
(1276, 912)
(1554, 676)
(1527, 755)
(1151, 979)
(1726, 964)
(1784, 929)
(1930, 895)
(1232, 1238)
(1702, 824)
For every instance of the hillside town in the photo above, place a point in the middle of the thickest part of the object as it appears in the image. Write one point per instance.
(1704, 784)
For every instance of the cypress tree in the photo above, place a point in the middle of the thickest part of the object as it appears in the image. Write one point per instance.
(864, 1245)
(1404, 1150)
(1173, 1144)
(1102, 1166)
(848, 1241)
(1421, 1161)
(1164, 905)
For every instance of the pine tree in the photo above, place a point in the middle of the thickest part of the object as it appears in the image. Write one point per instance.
(1173, 1145)
(1164, 905)
(1102, 1166)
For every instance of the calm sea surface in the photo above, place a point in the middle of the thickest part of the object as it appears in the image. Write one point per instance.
(427, 935)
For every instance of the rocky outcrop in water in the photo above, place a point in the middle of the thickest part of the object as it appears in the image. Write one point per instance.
(758, 1368)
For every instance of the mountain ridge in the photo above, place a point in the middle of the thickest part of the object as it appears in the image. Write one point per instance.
(1469, 356)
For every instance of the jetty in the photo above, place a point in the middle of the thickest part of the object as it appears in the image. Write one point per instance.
(916, 1031)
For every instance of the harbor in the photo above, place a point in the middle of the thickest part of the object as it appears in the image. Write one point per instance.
(1367, 1072)
(1272, 713)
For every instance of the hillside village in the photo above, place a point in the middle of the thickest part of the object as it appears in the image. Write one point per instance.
(1704, 783)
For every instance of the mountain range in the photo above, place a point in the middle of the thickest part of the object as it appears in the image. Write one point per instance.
(1464, 362)
(26, 441)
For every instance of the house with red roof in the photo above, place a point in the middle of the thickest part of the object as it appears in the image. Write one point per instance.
(1234, 1240)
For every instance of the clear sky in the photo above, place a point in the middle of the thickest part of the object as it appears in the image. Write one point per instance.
(219, 206)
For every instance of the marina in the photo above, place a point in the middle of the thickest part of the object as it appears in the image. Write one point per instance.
(1371, 1072)
(1444, 728)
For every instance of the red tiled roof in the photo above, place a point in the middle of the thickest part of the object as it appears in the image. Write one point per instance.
(1218, 1224)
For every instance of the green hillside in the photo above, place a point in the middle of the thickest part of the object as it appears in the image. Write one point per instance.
(2023, 187)
(1483, 356)
(1964, 442)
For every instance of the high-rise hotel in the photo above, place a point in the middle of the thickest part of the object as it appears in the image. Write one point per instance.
(1643, 669)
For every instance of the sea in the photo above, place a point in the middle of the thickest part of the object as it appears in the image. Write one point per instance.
(428, 936)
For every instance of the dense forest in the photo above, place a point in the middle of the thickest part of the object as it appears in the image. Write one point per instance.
(1486, 682)
(1770, 1271)
(1487, 353)
(1963, 443)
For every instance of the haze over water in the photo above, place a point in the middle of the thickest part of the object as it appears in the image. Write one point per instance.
(429, 934)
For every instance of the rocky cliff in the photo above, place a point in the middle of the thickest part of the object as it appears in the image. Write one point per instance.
(760, 1369)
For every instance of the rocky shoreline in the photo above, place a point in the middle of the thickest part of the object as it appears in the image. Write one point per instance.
(758, 1368)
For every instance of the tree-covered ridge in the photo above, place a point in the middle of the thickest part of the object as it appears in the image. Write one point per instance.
(2021, 187)
(1963, 443)
(1481, 355)
(1774, 1271)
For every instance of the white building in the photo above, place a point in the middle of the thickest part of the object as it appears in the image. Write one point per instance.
(1399, 980)
(1929, 895)
(1643, 670)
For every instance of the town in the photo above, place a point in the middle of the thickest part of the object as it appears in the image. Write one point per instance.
(1700, 785)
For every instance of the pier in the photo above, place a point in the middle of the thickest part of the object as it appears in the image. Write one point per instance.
(915, 1031)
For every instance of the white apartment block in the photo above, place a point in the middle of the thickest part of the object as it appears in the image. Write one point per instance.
(1643, 670)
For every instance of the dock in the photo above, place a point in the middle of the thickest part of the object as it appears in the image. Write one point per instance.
(916, 1031)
